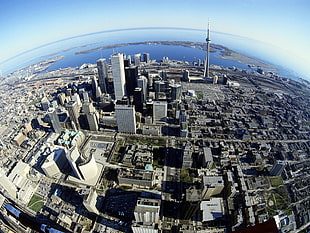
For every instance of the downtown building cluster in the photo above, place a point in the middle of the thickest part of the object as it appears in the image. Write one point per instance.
(146, 146)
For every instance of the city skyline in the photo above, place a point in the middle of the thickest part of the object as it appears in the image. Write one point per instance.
(30, 24)
(179, 151)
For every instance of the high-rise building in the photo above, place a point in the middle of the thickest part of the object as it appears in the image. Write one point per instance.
(85, 96)
(186, 75)
(212, 185)
(137, 58)
(62, 98)
(76, 98)
(142, 83)
(102, 75)
(199, 62)
(176, 91)
(69, 92)
(192, 203)
(277, 168)
(159, 111)
(163, 74)
(184, 129)
(125, 118)
(146, 57)
(83, 168)
(95, 88)
(118, 74)
(88, 107)
(54, 120)
(215, 79)
(45, 103)
(92, 121)
(74, 112)
(138, 99)
(147, 210)
(187, 155)
(129, 60)
(91, 116)
(54, 162)
(159, 86)
(90, 202)
(131, 74)
(206, 70)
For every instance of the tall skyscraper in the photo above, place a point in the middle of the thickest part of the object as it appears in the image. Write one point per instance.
(176, 91)
(118, 74)
(142, 83)
(192, 203)
(91, 116)
(186, 75)
(159, 111)
(85, 96)
(147, 212)
(138, 99)
(90, 202)
(160, 86)
(146, 57)
(76, 98)
(125, 118)
(277, 168)
(206, 71)
(131, 74)
(102, 75)
(137, 58)
(62, 98)
(51, 112)
(45, 103)
(212, 185)
(74, 112)
(95, 88)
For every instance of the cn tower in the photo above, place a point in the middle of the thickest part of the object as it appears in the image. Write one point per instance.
(206, 71)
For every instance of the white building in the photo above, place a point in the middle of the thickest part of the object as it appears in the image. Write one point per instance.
(142, 83)
(159, 111)
(118, 75)
(74, 112)
(83, 168)
(19, 177)
(146, 215)
(92, 121)
(51, 112)
(76, 98)
(211, 209)
(91, 116)
(147, 210)
(91, 201)
(7, 185)
(125, 118)
(53, 162)
(137, 58)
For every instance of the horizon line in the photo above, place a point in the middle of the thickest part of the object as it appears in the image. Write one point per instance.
(113, 30)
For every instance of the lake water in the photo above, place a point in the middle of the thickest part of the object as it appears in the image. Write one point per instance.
(157, 52)
(243, 45)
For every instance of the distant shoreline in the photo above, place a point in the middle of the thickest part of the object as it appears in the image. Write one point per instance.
(225, 52)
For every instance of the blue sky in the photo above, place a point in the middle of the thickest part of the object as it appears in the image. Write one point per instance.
(26, 24)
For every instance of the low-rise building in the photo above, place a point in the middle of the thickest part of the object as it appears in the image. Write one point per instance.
(136, 177)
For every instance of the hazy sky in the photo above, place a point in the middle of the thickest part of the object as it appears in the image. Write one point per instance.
(26, 24)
